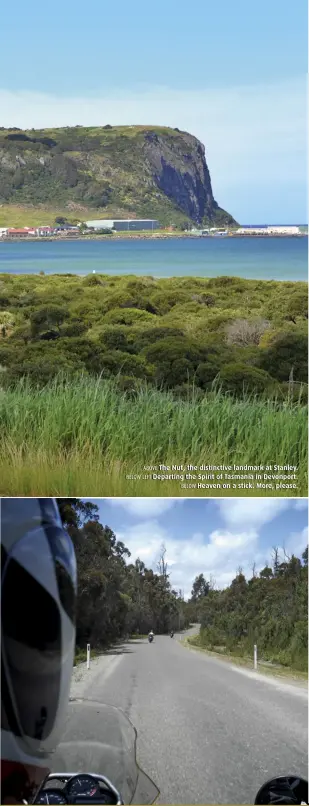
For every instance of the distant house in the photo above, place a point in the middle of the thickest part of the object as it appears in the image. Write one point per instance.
(67, 228)
(13, 232)
(45, 231)
(31, 230)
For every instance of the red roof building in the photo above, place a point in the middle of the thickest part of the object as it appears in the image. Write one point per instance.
(14, 232)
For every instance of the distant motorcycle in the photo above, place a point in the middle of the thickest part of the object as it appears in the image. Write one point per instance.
(150, 638)
(172, 634)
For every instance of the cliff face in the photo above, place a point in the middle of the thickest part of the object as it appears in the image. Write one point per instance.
(179, 168)
(123, 171)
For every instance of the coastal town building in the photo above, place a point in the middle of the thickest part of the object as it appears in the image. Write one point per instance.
(120, 224)
(44, 231)
(286, 230)
(268, 230)
(14, 232)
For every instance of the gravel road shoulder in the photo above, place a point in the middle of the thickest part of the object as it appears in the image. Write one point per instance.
(100, 669)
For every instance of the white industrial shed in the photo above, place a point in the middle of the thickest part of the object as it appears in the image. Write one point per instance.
(124, 224)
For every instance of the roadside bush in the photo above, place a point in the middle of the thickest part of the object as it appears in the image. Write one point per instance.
(115, 338)
(115, 362)
(240, 378)
(74, 328)
(286, 353)
(128, 316)
(206, 373)
(154, 334)
(92, 280)
(47, 317)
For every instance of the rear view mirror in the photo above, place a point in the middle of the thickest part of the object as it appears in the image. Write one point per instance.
(284, 789)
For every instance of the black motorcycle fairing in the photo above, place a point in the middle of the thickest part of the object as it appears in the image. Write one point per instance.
(286, 789)
(100, 740)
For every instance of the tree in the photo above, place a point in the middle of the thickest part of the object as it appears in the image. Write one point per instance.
(75, 512)
(7, 322)
(245, 332)
(296, 306)
(200, 588)
(287, 351)
(47, 317)
(162, 564)
(275, 557)
(175, 360)
(61, 220)
(241, 378)
(115, 338)
(266, 573)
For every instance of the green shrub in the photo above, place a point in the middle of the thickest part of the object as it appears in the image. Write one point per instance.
(240, 378)
(287, 353)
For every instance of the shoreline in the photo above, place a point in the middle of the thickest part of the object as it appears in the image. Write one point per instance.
(141, 276)
(143, 237)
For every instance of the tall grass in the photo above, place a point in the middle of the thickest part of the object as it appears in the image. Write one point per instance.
(83, 436)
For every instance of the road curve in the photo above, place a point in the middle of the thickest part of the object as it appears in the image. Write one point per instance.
(208, 732)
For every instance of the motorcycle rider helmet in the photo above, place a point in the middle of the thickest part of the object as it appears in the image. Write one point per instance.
(38, 597)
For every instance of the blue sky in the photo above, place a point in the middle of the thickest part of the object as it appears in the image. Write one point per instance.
(213, 537)
(233, 75)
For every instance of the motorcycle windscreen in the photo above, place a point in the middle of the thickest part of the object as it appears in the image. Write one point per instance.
(100, 739)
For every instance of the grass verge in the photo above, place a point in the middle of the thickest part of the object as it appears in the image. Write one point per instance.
(86, 437)
(264, 667)
(81, 655)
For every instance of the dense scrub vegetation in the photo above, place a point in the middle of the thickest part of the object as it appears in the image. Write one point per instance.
(247, 335)
(117, 598)
(270, 610)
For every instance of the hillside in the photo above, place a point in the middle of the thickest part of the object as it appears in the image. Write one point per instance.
(106, 172)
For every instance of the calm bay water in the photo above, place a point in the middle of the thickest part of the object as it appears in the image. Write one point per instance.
(251, 258)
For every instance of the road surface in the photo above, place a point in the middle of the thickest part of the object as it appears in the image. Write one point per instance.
(208, 732)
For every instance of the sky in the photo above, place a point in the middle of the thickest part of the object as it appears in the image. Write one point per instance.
(213, 537)
(233, 75)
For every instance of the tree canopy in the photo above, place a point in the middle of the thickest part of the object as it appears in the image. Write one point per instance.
(118, 598)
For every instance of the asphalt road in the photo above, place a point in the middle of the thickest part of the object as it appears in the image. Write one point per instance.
(208, 732)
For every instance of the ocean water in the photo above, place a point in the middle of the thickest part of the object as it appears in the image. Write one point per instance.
(252, 258)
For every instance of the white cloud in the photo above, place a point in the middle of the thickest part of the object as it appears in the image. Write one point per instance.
(144, 507)
(144, 540)
(217, 554)
(296, 543)
(219, 557)
(251, 512)
(254, 136)
(301, 503)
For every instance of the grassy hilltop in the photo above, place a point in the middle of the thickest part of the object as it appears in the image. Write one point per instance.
(105, 172)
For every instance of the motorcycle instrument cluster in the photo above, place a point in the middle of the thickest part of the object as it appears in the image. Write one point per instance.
(51, 796)
(79, 789)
